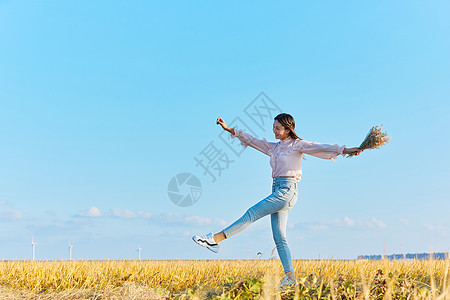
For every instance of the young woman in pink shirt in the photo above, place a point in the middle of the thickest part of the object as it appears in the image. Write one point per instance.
(286, 162)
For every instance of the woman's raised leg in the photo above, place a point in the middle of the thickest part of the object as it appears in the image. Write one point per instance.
(267, 206)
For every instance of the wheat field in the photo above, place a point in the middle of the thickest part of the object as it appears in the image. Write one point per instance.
(224, 279)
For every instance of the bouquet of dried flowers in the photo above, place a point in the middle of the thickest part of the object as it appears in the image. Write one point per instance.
(374, 139)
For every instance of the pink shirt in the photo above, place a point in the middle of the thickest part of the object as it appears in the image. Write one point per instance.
(286, 155)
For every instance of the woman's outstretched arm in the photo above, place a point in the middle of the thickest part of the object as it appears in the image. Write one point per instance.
(324, 151)
(222, 123)
(247, 139)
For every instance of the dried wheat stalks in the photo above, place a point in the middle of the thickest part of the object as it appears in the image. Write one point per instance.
(374, 139)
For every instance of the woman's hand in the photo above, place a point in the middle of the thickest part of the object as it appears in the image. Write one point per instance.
(222, 123)
(352, 150)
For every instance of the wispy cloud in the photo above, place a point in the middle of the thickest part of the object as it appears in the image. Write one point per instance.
(379, 223)
(128, 214)
(94, 212)
(404, 221)
(345, 222)
(179, 219)
(373, 223)
(317, 227)
(91, 212)
(327, 224)
(11, 214)
(123, 213)
(169, 218)
(7, 213)
(437, 228)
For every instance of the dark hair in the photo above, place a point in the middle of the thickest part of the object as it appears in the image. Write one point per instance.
(287, 121)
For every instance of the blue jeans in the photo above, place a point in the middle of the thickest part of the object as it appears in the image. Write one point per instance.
(278, 204)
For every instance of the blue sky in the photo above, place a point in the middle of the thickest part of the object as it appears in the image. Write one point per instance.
(102, 104)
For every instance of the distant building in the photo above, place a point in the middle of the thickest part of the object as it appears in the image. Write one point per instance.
(437, 255)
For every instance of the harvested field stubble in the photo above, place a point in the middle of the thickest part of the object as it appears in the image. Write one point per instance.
(224, 279)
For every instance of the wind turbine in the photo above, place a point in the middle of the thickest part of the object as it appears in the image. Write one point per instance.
(33, 244)
(70, 251)
(139, 249)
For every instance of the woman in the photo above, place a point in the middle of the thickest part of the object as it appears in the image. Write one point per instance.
(286, 162)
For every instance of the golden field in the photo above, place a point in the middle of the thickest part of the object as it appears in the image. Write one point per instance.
(224, 279)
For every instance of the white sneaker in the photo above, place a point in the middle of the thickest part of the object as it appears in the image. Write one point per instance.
(287, 282)
(207, 241)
